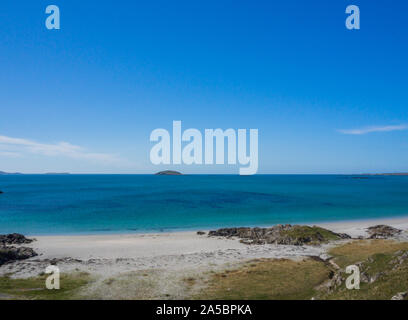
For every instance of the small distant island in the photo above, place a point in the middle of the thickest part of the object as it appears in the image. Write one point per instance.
(4, 173)
(47, 173)
(386, 174)
(57, 173)
(168, 173)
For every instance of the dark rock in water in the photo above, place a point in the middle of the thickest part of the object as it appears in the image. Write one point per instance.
(281, 234)
(9, 254)
(382, 232)
(200, 233)
(168, 173)
(14, 238)
(1, 192)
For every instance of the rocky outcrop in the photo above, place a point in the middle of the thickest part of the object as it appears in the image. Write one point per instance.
(280, 234)
(370, 273)
(401, 257)
(1, 192)
(14, 238)
(11, 253)
(335, 281)
(400, 296)
(8, 254)
(168, 173)
(200, 233)
(382, 232)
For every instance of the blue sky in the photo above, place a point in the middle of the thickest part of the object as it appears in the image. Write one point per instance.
(85, 98)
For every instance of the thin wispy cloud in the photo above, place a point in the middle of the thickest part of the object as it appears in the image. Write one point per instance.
(366, 130)
(10, 154)
(16, 147)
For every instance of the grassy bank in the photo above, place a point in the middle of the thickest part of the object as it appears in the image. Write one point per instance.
(34, 288)
(268, 279)
(382, 260)
(287, 279)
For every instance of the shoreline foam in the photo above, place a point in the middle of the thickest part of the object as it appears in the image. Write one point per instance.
(332, 225)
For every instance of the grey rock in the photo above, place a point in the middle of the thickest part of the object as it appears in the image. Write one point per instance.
(14, 238)
(364, 277)
(401, 257)
(375, 277)
(279, 234)
(382, 232)
(335, 281)
(10, 254)
(400, 296)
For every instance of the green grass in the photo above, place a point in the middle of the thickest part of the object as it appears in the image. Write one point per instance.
(316, 234)
(34, 288)
(393, 281)
(275, 279)
(357, 251)
(286, 279)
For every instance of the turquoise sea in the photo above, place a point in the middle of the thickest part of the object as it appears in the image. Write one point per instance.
(88, 204)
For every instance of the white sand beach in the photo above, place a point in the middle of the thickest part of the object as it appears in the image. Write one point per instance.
(358, 227)
(184, 248)
(133, 246)
(166, 256)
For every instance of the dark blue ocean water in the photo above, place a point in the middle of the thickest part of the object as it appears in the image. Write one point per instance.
(86, 204)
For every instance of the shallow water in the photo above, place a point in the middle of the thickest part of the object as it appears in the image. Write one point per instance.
(87, 204)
